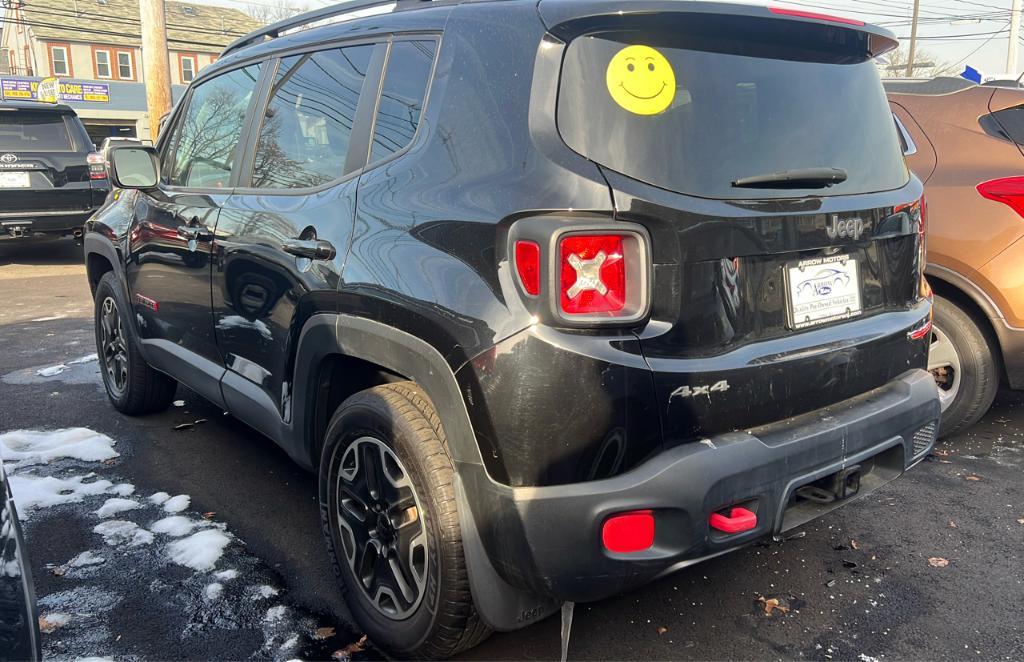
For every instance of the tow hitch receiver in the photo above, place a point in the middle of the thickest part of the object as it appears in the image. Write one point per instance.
(841, 485)
(17, 229)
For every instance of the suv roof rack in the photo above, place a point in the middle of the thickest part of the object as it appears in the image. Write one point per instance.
(274, 30)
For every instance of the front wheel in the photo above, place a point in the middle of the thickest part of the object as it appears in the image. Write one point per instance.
(964, 366)
(132, 386)
(388, 510)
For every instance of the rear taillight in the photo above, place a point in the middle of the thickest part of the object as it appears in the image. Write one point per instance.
(592, 274)
(1008, 190)
(582, 274)
(97, 166)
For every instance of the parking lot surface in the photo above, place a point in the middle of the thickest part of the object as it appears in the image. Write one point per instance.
(215, 551)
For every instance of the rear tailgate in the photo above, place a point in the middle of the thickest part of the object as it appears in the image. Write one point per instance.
(770, 298)
(42, 165)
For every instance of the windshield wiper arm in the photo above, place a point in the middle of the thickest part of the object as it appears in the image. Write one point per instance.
(796, 178)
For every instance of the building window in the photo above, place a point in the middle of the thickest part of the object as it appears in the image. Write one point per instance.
(125, 65)
(102, 64)
(187, 67)
(60, 60)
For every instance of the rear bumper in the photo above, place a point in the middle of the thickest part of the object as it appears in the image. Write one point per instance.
(547, 540)
(17, 225)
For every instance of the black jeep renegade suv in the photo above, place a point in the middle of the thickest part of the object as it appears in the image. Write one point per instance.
(556, 297)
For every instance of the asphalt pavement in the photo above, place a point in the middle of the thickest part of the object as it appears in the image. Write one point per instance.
(930, 567)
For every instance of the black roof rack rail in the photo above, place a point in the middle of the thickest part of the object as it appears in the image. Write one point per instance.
(274, 30)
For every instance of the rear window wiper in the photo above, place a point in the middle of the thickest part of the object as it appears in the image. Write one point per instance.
(796, 178)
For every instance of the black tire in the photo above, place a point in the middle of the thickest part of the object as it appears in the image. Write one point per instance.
(134, 388)
(966, 393)
(444, 620)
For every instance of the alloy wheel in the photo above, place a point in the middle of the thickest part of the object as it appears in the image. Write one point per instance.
(944, 364)
(382, 529)
(114, 347)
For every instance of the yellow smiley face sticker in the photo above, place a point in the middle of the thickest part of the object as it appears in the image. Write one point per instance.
(641, 80)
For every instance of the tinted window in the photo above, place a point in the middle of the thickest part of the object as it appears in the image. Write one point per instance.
(26, 131)
(1007, 124)
(202, 149)
(401, 101)
(306, 128)
(719, 116)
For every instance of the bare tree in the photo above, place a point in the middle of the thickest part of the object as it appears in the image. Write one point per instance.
(926, 65)
(272, 11)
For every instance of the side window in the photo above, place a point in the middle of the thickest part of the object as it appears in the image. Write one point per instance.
(401, 100)
(306, 128)
(1006, 124)
(201, 151)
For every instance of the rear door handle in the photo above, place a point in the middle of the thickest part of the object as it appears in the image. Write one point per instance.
(313, 249)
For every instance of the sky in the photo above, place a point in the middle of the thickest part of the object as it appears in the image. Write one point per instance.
(955, 32)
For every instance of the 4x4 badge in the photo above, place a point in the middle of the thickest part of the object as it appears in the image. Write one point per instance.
(9, 158)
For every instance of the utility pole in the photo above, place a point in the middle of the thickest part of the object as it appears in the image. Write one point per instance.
(1011, 50)
(913, 38)
(155, 62)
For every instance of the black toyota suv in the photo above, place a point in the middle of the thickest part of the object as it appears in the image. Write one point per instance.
(51, 180)
(555, 297)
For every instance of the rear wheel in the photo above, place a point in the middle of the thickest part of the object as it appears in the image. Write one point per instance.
(964, 365)
(132, 386)
(387, 504)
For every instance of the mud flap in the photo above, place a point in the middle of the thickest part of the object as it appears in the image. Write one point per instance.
(501, 606)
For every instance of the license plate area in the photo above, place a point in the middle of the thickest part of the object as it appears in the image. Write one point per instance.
(17, 179)
(822, 290)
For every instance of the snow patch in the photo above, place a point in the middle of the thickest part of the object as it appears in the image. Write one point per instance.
(176, 504)
(86, 558)
(122, 532)
(123, 489)
(33, 492)
(276, 614)
(51, 371)
(213, 591)
(114, 506)
(179, 403)
(159, 498)
(175, 525)
(265, 592)
(200, 551)
(22, 448)
(226, 575)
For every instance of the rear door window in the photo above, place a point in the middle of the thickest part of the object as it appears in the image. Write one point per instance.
(205, 140)
(28, 131)
(1006, 124)
(304, 138)
(402, 96)
(693, 113)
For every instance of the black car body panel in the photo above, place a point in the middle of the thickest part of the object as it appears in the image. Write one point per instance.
(19, 619)
(59, 191)
(552, 423)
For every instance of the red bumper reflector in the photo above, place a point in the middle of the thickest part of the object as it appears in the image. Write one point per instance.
(738, 521)
(629, 532)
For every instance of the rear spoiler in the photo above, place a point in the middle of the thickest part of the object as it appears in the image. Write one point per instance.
(566, 19)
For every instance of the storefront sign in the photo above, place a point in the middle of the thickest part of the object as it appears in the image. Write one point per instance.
(28, 90)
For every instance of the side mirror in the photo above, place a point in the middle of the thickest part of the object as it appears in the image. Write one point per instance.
(134, 167)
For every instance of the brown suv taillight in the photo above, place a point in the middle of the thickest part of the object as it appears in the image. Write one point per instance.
(582, 274)
(1007, 190)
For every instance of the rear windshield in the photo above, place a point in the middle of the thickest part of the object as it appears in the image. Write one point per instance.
(689, 114)
(27, 131)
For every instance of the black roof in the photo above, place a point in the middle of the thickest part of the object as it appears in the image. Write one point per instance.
(11, 104)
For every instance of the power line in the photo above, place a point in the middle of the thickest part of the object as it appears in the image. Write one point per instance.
(107, 32)
(123, 21)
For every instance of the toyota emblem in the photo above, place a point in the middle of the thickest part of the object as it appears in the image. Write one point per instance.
(8, 158)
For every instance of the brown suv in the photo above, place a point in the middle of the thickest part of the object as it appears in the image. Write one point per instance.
(965, 142)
